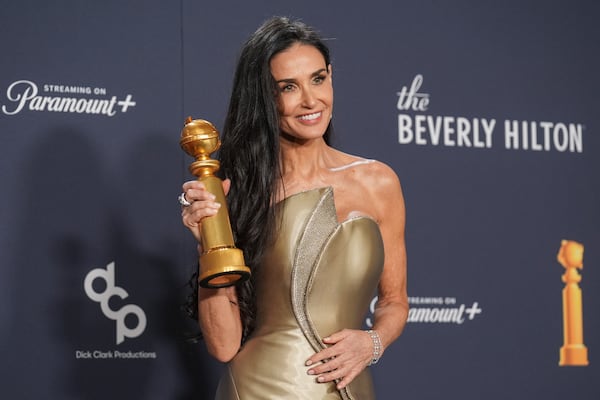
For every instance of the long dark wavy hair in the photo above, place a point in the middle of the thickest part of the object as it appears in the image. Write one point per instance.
(249, 153)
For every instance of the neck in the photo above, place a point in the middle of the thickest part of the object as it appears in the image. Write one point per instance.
(302, 157)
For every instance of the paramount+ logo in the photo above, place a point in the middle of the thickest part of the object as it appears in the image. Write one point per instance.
(25, 95)
(103, 297)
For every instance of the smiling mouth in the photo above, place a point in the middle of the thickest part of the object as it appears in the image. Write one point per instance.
(309, 117)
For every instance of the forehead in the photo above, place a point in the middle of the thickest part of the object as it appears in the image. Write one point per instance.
(298, 60)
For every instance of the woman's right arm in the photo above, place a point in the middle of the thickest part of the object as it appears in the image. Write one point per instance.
(218, 311)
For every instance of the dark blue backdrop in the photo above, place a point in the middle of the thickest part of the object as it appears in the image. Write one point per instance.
(82, 190)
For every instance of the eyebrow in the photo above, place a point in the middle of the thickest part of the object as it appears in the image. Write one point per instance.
(291, 80)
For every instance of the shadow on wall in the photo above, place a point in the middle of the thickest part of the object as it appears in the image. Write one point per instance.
(73, 220)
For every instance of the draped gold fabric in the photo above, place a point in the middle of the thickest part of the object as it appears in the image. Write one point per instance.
(317, 278)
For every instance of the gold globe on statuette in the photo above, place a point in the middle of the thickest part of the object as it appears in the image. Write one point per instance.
(221, 263)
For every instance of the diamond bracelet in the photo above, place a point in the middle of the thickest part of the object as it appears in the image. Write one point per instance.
(376, 346)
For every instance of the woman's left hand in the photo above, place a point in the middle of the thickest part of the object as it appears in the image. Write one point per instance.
(349, 352)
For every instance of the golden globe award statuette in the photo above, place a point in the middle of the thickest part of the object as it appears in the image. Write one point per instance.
(573, 352)
(221, 263)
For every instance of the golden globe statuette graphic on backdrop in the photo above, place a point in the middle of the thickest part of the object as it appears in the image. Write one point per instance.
(221, 263)
(573, 352)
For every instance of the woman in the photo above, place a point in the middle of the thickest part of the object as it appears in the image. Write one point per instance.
(320, 229)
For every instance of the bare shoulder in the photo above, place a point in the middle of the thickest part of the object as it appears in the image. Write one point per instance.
(382, 188)
(364, 169)
(378, 178)
(385, 177)
(377, 183)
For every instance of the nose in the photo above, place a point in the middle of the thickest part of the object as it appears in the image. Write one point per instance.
(309, 99)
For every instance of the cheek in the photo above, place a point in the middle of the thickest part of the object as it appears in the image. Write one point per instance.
(284, 107)
(329, 94)
(283, 113)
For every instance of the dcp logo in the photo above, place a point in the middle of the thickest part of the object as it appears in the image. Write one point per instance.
(108, 275)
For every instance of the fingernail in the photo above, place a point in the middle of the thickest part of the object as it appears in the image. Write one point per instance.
(310, 372)
(308, 362)
(320, 379)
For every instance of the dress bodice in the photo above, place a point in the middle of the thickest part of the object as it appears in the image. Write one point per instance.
(317, 278)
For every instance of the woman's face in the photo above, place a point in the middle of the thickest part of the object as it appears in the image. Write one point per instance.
(305, 97)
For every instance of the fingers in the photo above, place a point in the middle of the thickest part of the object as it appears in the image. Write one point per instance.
(196, 186)
(202, 205)
(196, 191)
(332, 351)
(346, 381)
(349, 353)
(340, 369)
(337, 336)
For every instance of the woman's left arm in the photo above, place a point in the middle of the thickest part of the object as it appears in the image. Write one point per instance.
(350, 350)
(391, 310)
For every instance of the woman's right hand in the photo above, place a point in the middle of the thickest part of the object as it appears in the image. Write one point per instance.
(203, 205)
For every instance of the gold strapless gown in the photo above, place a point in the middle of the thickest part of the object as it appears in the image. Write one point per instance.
(317, 278)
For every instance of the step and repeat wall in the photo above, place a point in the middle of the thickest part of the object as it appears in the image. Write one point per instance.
(487, 111)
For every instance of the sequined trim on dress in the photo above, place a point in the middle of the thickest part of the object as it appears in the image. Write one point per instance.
(322, 223)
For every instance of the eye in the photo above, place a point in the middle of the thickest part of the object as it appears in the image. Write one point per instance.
(317, 80)
(287, 87)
